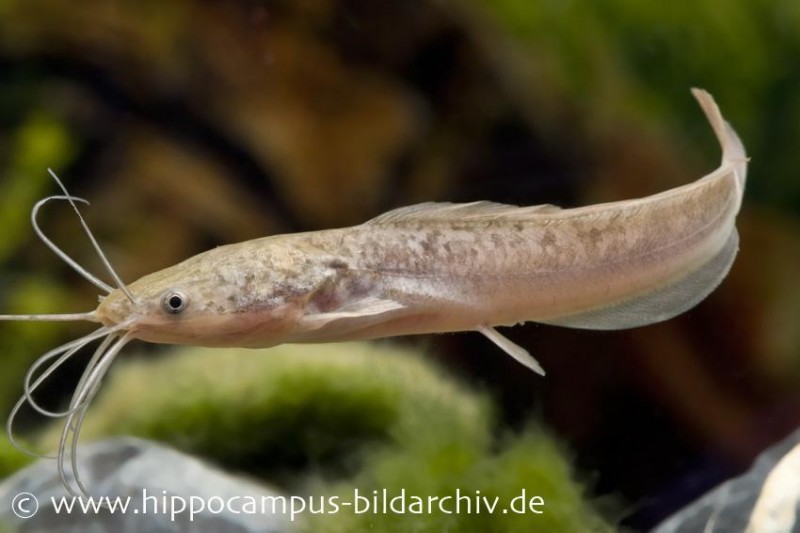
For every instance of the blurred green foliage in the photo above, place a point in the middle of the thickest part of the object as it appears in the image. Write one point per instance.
(40, 140)
(639, 58)
(325, 419)
(530, 464)
(21, 341)
(11, 459)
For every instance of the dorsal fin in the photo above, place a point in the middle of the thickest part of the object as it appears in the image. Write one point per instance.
(431, 211)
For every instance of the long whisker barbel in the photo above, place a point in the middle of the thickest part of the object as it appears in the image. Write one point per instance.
(98, 365)
(103, 286)
(120, 284)
(85, 392)
(70, 348)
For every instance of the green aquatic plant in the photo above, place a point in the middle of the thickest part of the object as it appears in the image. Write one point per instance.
(330, 419)
(292, 405)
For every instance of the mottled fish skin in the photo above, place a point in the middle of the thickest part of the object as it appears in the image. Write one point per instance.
(454, 267)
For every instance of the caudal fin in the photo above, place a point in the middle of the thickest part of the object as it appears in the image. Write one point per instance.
(733, 152)
(668, 298)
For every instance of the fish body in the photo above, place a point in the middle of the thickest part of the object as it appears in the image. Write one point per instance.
(427, 268)
(439, 267)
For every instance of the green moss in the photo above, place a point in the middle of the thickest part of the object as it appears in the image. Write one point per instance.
(330, 419)
(523, 468)
(290, 407)
(11, 459)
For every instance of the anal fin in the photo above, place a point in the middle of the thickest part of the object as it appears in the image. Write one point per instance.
(662, 303)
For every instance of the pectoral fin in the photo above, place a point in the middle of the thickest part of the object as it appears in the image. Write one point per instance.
(368, 308)
(517, 352)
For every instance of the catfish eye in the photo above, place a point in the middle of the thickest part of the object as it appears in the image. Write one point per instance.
(174, 302)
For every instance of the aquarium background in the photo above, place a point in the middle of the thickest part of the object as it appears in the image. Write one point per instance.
(191, 124)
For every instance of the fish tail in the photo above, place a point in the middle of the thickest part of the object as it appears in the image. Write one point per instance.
(733, 152)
